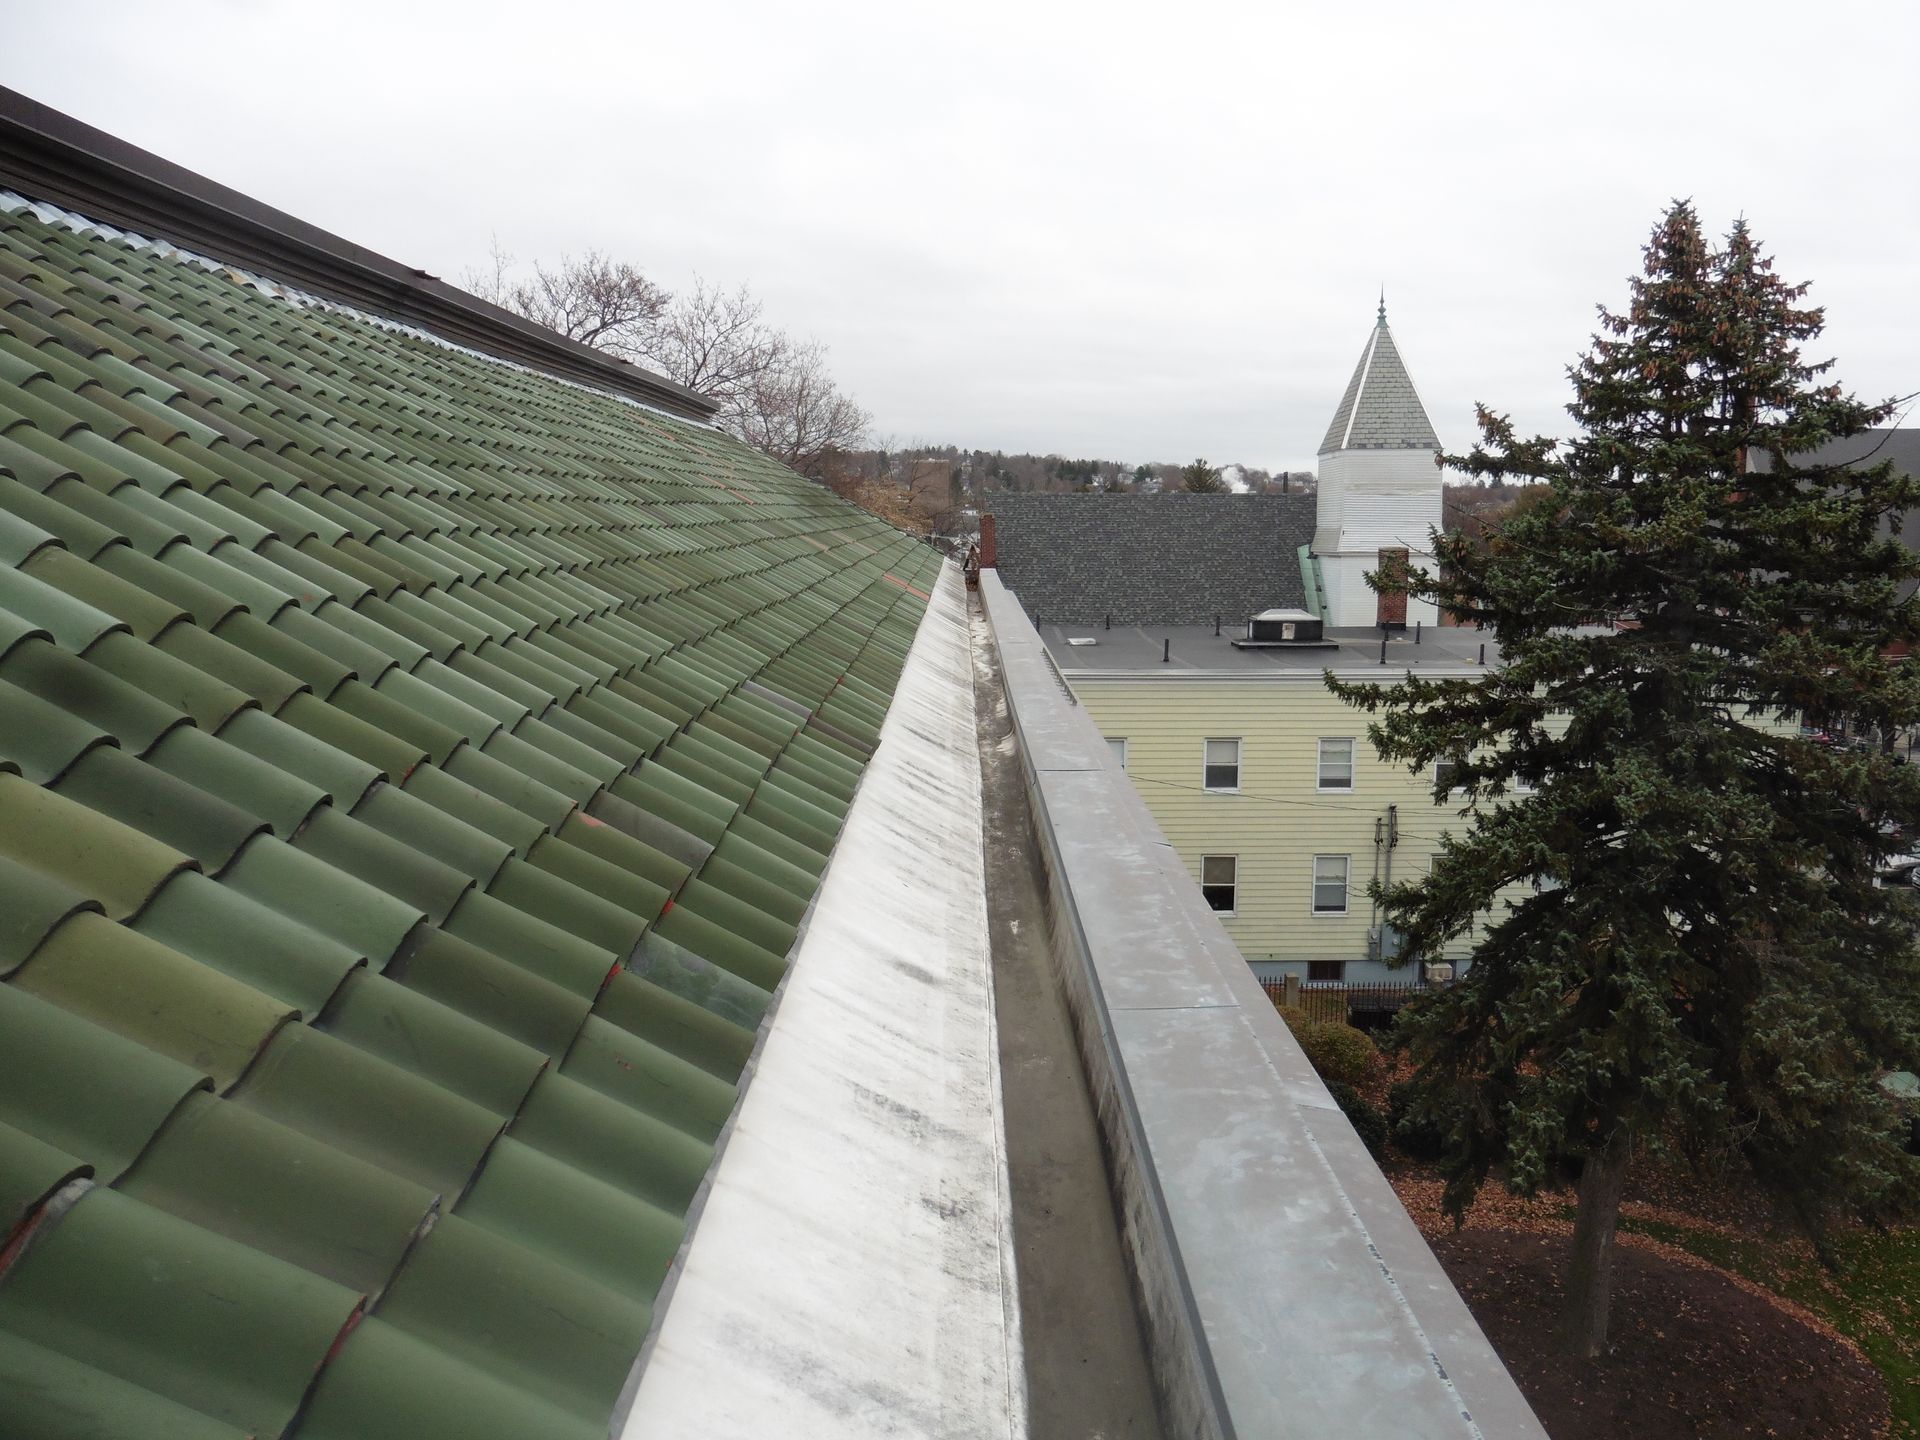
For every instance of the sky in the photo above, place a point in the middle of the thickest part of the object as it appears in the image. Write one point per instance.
(1105, 231)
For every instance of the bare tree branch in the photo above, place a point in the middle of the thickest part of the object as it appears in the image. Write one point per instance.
(772, 391)
(714, 342)
(595, 300)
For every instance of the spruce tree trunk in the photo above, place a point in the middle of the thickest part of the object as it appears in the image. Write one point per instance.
(1590, 1278)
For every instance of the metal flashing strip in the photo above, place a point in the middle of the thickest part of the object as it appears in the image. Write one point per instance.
(851, 1274)
(1287, 1291)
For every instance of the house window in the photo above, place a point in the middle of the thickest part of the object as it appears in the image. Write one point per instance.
(1446, 773)
(1330, 884)
(1223, 765)
(1336, 764)
(1117, 744)
(1326, 972)
(1217, 875)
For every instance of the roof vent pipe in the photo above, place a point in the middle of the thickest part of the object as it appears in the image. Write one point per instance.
(1166, 650)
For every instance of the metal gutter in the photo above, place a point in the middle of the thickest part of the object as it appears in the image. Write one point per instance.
(50, 156)
(851, 1274)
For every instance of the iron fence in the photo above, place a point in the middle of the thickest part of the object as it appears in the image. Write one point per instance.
(1365, 1005)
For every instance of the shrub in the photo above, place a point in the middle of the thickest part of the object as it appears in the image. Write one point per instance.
(1421, 1139)
(1368, 1122)
(1336, 1052)
(1296, 1018)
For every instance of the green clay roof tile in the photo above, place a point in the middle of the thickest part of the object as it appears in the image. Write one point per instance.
(412, 772)
(151, 993)
(81, 1088)
(227, 1168)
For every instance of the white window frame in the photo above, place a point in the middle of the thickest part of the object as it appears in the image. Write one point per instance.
(1117, 747)
(1320, 784)
(1451, 789)
(1239, 763)
(1346, 888)
(1233, 860)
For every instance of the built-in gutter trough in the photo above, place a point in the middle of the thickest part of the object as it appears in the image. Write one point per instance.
(848, 1272)
(1285, 1290)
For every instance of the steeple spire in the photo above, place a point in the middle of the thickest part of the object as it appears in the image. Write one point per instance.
(1381, 410)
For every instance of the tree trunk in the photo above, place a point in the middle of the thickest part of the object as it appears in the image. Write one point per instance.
(1590, 1279)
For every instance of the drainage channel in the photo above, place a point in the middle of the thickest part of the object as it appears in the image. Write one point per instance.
(1086, 1366)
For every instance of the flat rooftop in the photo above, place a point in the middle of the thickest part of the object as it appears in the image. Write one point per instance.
(1196, 648)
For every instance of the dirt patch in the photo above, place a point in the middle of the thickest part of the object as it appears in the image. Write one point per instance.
(1693, 1354)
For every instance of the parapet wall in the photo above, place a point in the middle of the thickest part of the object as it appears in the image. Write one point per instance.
(1285, 1289)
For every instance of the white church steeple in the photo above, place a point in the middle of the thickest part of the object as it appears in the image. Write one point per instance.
(1380, 488)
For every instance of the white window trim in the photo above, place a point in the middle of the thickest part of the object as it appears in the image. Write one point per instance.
(1320, 785)
(1313, 885)
(1120, 753)
(1239, 763)
(1222, 914)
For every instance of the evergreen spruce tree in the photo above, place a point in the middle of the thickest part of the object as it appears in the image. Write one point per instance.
(1200, 478)
(1679, 938)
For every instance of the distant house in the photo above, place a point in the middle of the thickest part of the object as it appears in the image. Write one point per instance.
(1263, 782)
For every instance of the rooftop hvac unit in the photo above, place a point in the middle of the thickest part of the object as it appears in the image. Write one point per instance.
(1282, 627)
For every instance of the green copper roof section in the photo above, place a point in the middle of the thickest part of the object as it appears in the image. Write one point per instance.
(413, 772)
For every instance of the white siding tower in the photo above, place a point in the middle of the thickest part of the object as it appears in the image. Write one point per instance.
(1379, 485)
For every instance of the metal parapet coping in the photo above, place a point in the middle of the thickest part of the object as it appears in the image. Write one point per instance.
(1285, 1289)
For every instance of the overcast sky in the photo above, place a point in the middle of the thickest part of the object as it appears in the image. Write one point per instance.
(1140, 233)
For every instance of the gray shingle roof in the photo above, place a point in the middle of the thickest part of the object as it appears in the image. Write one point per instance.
(1869, 448)
(1381, 410)
(1152, 559)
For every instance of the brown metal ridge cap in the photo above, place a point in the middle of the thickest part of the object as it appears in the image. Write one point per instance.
(50, 156)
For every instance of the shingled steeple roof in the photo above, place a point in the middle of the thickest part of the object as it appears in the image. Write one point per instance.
(1381, 410)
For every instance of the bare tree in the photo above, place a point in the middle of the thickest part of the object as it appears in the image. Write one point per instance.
(593, 299)
(715, 342)
(772, 391)
(796, 414)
